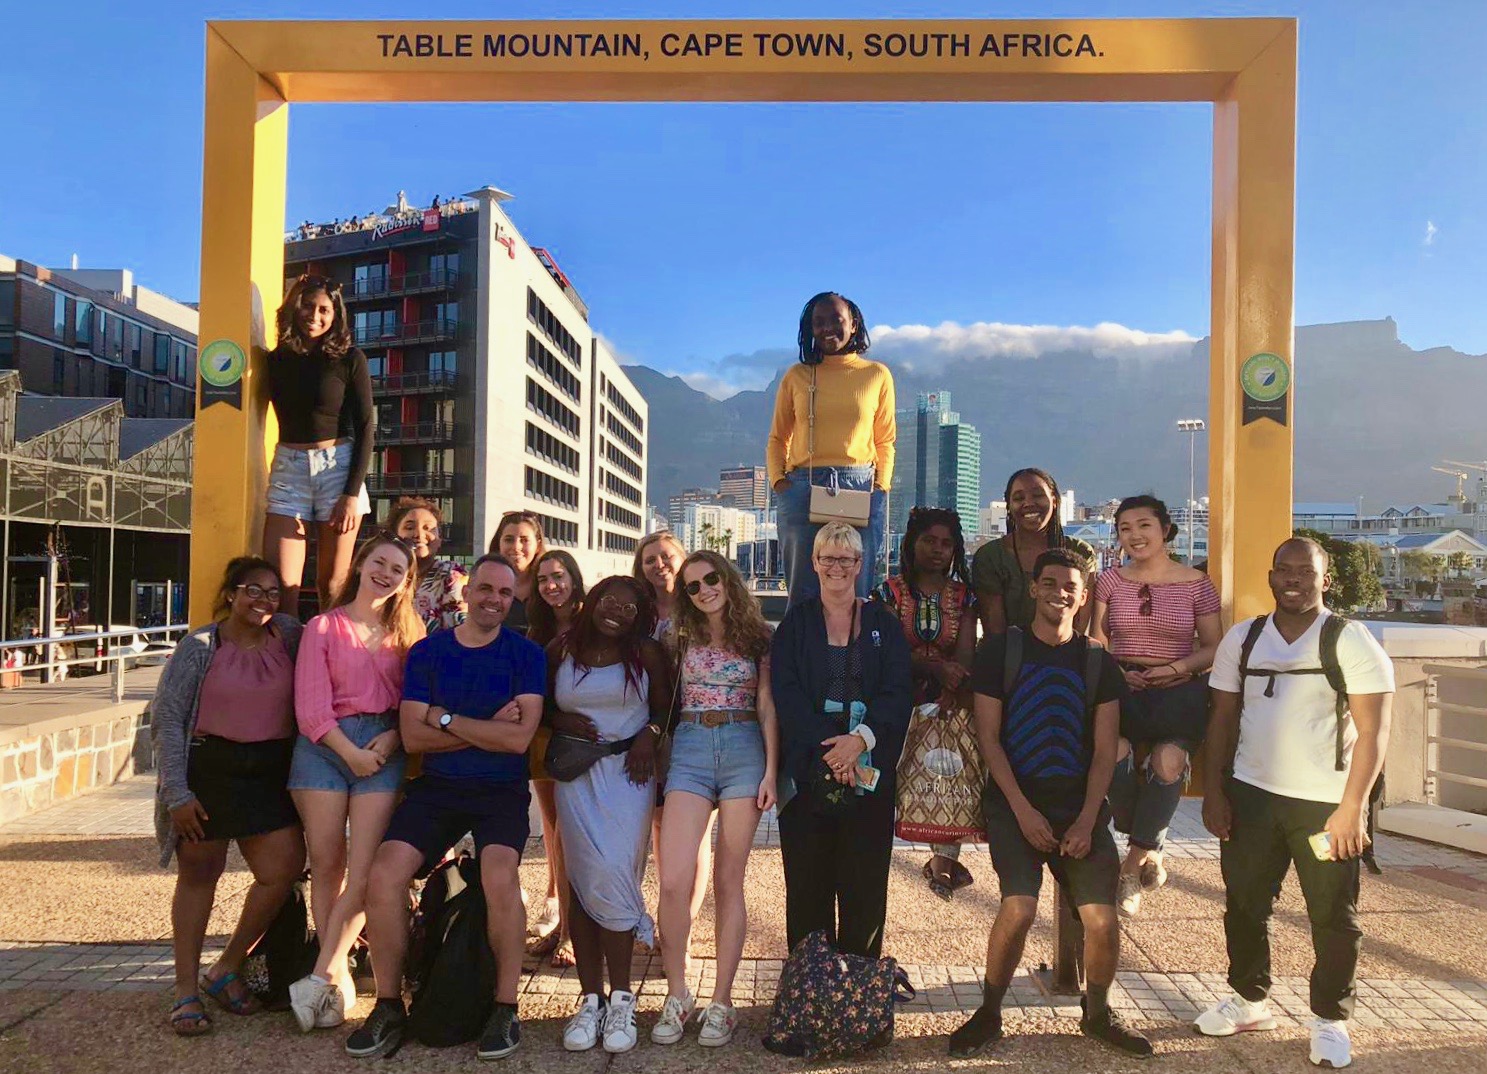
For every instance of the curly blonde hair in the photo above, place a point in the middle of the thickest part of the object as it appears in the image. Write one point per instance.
(744, 630)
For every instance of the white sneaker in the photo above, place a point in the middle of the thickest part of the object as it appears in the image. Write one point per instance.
(582, 1031)
(307, 997)
(718, 1023)
(547, 921)
(1330, 1044)
(673, 1021)
(619, 1023)
(1234, 1015)
(1128, 895)
(336, 1002)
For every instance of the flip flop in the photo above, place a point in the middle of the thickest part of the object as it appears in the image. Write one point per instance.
(217, 992)
(189, 1023)
(562, 957)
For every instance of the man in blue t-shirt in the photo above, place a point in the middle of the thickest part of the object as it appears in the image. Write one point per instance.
(1048, 735)
(472, 697)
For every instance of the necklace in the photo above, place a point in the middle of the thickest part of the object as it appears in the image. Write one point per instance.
(239, 643)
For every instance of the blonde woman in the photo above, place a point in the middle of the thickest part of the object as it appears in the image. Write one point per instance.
(349, 761)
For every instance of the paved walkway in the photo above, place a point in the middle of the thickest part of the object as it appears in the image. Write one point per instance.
(35, 706)
(124, 810)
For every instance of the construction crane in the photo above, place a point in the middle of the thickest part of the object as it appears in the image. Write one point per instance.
(1460, 476)
(1469, 465)
(1481, 468)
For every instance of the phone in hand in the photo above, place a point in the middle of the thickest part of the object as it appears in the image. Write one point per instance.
(867, 777)
(1321, 845)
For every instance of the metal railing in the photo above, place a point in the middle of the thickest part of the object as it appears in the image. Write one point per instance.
(409, 332)
(1455, 735)
(427, 484)
(432, 380)
(408, 282)
(116, 657)
(416, 432)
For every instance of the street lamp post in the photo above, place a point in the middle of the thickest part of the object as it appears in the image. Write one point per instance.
(1191, 426)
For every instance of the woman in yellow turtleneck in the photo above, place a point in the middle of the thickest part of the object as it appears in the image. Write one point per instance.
(853, 443)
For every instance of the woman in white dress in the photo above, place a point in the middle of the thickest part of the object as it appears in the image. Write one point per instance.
(610, 682)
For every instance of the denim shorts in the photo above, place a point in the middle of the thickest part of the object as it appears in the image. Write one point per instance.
(317, 767)
(304, 483)
(716, 763)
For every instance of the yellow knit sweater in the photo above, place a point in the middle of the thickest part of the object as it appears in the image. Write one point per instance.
(855, 423)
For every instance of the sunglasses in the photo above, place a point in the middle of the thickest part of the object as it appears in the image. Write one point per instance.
(613, 606)
(711, 578)
(257, 592)
(1145, 594)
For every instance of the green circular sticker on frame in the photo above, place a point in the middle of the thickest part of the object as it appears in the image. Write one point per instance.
(222, 363)
(1265, 377)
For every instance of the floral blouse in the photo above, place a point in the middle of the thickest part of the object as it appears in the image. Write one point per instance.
(439, 599)
(718, 679)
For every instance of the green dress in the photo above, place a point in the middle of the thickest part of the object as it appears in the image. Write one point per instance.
(995, 571)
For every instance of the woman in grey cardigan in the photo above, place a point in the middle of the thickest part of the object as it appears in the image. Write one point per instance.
(223, 728)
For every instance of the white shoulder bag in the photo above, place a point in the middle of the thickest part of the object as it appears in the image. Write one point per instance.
(832, 503)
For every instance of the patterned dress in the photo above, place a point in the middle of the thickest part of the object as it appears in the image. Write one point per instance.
(931, 623)
(439, 599)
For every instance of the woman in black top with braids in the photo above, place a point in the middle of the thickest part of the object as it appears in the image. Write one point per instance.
(322, 395)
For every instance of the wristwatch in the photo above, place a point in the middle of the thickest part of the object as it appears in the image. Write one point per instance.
(445, 719)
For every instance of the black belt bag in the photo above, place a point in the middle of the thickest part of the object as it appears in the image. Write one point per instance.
(569, 757)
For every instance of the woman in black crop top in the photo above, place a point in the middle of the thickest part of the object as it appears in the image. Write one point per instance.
(322, 395)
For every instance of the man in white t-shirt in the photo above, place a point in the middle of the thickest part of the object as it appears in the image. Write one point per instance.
(1294, 791)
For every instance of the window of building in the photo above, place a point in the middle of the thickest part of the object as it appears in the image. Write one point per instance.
(553, 329)
(559, 531)
(136, 346)
(377, 366)
(7, 302)
(7, 352)
(546, 362)
(623, 406)
(371, 279)
(162, 354)
(447, 314)
(183, 357)
(623, 461)
(613, 512)
(620, 487)
(59, 314)
(547, 404)
(546, 446)
(444, 268)
(59, 373)
(442, 361)
(374, 326)
(550, 489)
(614, 542)
(141, 396)
(115, 337)
(83, 323)
(387, 415)
(624, 435)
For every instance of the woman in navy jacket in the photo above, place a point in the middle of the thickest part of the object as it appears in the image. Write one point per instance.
(843, 690)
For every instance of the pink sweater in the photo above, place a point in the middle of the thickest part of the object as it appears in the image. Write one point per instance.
(336, 676)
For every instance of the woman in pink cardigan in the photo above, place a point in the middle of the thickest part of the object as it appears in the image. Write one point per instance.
(349, 760)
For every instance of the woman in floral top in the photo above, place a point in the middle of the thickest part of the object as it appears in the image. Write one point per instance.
(439, 598)
(937, 609)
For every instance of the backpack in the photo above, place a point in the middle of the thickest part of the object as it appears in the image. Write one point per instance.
(832, 1005)
(451, 970)
(1332, 628)
(1093, 664)
(285, 952)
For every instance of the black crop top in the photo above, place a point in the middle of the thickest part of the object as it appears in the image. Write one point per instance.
(318, 398)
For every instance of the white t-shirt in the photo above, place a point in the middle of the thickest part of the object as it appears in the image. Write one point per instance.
(1288, 742)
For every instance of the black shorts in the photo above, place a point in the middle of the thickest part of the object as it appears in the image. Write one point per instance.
(1176, 714)
(436, 812)
(241, 785)
(1087, 881)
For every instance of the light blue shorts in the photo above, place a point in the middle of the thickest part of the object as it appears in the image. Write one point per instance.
(304, 483)
(317, 767)
(716, 763)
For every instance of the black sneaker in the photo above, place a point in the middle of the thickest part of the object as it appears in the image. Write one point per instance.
(981, 1032)
(1110, 1028)
(381, 1034)
(502, 1034)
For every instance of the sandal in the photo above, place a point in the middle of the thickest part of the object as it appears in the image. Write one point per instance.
(562, 957)
(543, 945)
(189, 1023)
(939, 882)
(960, 877)
(217, 992)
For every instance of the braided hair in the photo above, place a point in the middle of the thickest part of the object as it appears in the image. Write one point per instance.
(806, 337)
(920, 521)
(1055, 524)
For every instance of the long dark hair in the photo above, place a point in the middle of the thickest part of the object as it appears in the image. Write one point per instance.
(1056, 523)
(542, 620)
(336, 343)
(515, 518)
(585, 632)
(235, 575)
(920, 521)
(806, 338)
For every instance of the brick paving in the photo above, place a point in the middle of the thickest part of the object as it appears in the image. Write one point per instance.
(1399, 1003)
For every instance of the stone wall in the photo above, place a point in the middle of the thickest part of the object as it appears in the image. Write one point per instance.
(55, 765)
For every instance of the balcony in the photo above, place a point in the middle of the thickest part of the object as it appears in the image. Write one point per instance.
(410, 484)
(420, 432)
(398, 335)
(410, 283)
(435, 380)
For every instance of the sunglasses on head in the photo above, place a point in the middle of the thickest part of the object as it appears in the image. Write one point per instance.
(311, 284)
(711, 578)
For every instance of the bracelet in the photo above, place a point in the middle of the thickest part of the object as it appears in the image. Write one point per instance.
(1176, 670)
(655, 729)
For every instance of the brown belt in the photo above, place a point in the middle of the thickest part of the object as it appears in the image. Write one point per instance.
(720, 717)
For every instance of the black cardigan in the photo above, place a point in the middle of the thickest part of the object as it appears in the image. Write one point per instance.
(797, 677)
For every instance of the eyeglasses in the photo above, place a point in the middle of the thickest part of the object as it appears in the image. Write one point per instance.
(711, 578)
(257, 592)
(1145, 594)
(840, 562)
(609, 604)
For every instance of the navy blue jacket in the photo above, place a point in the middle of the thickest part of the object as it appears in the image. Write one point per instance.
(797, 678)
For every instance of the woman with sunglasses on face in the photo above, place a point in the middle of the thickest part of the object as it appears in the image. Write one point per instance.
(439, 595)
(349, 760)
(560, 598)
(724, 753)
(321, 391)
(609, 681)
(1002, 570)
(520, 539)
(833, 426)
(1160, 620)
(936, 606)
(223, 724)
(843, 687)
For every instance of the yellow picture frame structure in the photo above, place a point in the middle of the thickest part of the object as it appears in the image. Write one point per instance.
(1245, 67)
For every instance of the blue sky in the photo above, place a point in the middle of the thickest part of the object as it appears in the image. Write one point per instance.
(695, 232)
